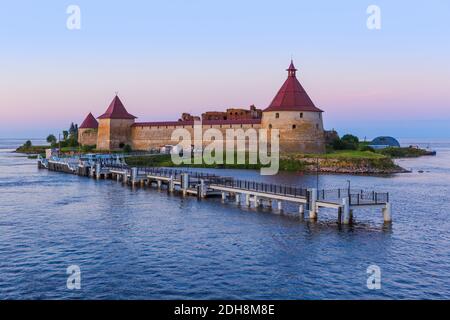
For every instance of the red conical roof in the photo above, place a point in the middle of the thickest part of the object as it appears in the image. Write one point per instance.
(116, 110)
(292, 96)
(89, 122)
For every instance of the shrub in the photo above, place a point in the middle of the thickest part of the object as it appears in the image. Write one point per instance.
(28, 144)
(127, 148)
(87, 148)
(367, 148)
(402, 152)
(51, 139)
(338, 144)
(350, 142)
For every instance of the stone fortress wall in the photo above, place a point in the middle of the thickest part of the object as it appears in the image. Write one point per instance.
(87, 136)
(147, 137)
(292, 112)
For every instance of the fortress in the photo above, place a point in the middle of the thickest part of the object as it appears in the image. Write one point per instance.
(292, 112)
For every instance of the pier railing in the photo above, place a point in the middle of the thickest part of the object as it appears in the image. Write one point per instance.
(355, 196)
(262, 187)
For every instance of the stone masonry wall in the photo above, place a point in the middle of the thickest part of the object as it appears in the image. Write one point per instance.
(153, 137)
(87, 136)
(299, 131)
(112, 133)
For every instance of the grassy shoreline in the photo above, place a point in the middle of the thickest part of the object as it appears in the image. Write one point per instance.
(339, 161)
(327, 163)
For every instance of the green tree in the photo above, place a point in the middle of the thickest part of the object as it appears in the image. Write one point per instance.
(73, 130)
(337, 144)
(28, 144)
(65, 134)
(51, 139)
(350, 142)
(347, 142)
(127, 148)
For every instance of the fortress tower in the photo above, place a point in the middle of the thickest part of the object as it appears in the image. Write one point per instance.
(114, 129)
(87, 131)
(297, 118)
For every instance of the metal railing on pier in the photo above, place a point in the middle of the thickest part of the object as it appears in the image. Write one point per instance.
(355, 196)
(262, 187)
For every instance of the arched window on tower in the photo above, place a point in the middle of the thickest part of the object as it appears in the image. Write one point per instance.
(301, 115)
(270, 126)
(277, 115)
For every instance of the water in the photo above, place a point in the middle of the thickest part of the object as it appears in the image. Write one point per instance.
(147, 244)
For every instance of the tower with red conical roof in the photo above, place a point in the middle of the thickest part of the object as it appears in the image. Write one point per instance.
(296, 117)
(114, 128)
(87, 131)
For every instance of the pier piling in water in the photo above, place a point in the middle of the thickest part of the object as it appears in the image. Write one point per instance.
(280, 206)
(387, 213)
(247, 200)
(313, 204)
(97, 170)
(346, 210)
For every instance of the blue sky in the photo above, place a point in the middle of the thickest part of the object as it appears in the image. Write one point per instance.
(169, 57)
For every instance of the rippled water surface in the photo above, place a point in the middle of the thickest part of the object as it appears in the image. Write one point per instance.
(147, 244)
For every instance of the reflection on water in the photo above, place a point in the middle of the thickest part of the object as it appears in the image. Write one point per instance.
(144, 243)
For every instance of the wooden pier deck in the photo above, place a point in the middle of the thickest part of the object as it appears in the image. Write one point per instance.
(242, 192)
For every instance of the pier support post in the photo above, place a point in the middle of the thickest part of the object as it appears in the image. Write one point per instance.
(346, 210)
(224, 196)
(247, 200)
(387, 216)
(238, 198)
(280, 206)
(97, 170)
(301, 210)
(171, 184)
(133, 175)
(184, 183)
(158, 183)
(339, 219)
(202, 188)
(125, 177)
(312, 204)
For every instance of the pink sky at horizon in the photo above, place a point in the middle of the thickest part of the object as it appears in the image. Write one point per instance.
(361, 94)
(169, 58)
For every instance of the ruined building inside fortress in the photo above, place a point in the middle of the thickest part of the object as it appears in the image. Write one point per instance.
(292, 112)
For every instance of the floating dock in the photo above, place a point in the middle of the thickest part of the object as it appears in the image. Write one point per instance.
(242, 192)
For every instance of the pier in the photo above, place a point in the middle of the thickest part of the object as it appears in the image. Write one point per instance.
(242, 192)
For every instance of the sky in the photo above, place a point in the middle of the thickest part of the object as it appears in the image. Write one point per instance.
(169, 57)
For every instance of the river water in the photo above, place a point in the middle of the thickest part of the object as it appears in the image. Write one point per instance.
(146, 244)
